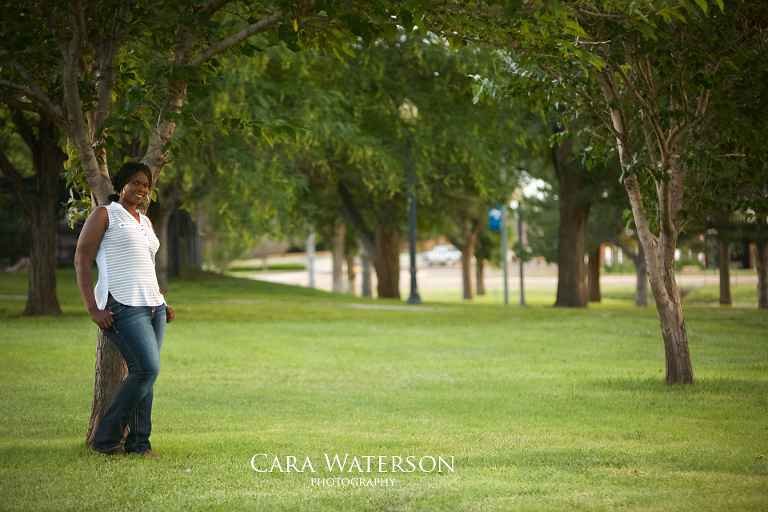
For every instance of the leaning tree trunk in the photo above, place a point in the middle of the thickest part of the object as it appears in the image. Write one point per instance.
(111, 371)
(659, 252)
(480, 275)
(670, 309)
(387, 261)
(572, 234)
(660, 262)
(724, 263)
(593, 278)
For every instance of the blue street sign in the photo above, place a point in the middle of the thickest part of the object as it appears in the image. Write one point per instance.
(494, 218)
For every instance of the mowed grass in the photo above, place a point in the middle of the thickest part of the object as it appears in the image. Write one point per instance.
(541, 408)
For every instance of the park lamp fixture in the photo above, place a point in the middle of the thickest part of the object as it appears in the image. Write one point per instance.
(408, 113)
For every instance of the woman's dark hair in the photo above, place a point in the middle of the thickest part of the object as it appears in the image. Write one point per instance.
(125, 174)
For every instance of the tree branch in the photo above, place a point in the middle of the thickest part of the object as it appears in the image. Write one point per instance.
(644, 105)
(463, 7)
(234, 39)
(580, 92)
(634, 256)
(617, 123)
(53, 25)
(353, 216)
(212, 7)
(17, 182)
(649, 143)
(25, 130)
(38, 96)
(105, 55)
(78, 17)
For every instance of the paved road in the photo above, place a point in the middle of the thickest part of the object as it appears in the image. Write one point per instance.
(536, 275)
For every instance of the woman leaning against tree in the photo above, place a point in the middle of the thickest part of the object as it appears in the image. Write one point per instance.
(126, 304)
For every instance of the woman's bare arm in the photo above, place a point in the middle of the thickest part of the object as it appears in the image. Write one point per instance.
(87, 247)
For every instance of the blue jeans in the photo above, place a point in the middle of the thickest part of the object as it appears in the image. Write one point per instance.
(137, 333)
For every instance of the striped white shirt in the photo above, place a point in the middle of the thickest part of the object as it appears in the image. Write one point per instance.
(126, 261)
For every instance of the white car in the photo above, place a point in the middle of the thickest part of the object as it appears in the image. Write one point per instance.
(442, 255)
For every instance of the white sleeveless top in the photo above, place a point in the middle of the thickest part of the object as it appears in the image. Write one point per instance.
(126, 261)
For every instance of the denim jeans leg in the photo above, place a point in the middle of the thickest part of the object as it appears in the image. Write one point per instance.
(140, 422)
(135, 336)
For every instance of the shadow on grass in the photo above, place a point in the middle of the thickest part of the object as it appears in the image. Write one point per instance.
(703, 385)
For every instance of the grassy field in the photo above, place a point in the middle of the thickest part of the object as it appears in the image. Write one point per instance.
(538, 295)
(541, 408)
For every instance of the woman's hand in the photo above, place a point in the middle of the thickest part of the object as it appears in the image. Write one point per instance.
(169, 315)
(102, 318)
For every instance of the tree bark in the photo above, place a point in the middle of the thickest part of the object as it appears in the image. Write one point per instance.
(659, 252)
(659, 258)
(111, 371)
(467, 251)
(480, 275)
(572, 234)
(387, 261)
(761, 262)
(40, 209)
(339, 235)
(593, 278)
(365, 260)
(350, 258)
(41, 297)
(638, 258)
(641, 288)
(724, 265)
(161, 214)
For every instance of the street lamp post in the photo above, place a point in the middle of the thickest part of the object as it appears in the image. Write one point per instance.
(504, 241)
(520, 238)
(409, 113)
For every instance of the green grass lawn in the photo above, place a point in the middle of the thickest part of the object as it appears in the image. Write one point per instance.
(541, 408)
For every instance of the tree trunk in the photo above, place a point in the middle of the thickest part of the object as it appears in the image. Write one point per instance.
(39, 208)
(365, 261)
(338, 255)
(480, 275)
(659, 259)
(571, 276)
(572, 234)
(111, 371)
(724, 264)
(761, 262)
(467, 251)
(41, 297)
(593, 278)
(350, 257)
(387, 261)
(160, 213)
(641, 288)
(659, 252)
